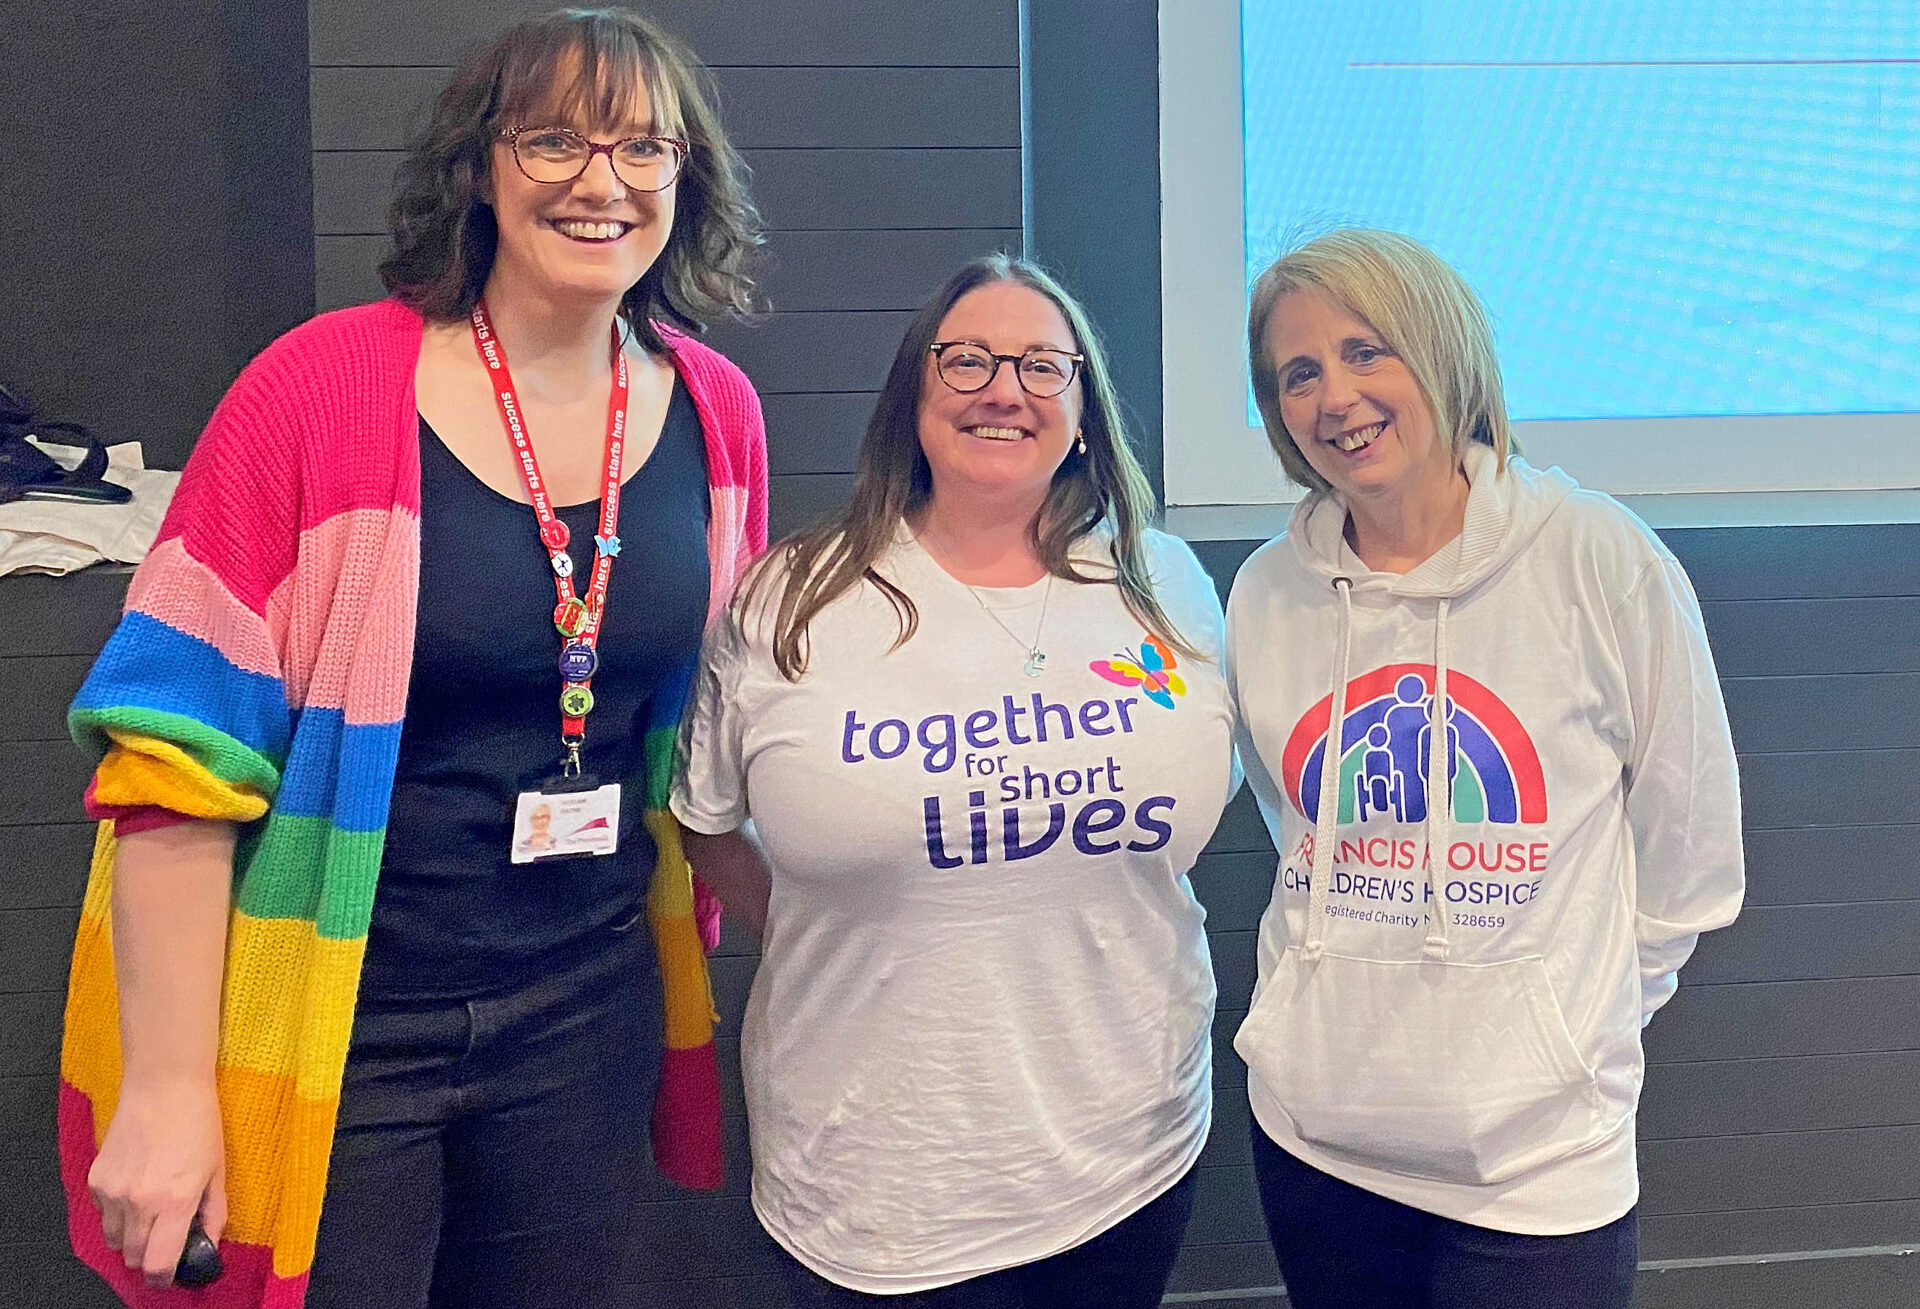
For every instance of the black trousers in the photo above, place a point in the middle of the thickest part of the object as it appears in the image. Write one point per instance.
(490, 1152)
(1343, 1247)
(1124, 1267)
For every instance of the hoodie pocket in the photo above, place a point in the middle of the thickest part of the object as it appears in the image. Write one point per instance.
(1461, 1073)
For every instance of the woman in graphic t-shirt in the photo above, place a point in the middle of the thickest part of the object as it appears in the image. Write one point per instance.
(980, 725)
(1531, 812)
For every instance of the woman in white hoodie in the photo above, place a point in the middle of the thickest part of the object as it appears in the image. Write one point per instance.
(1444, 1051)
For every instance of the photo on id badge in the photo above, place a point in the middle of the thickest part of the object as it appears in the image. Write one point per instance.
(556, 824)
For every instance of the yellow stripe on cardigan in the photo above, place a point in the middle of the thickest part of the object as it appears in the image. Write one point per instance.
(288, 1008)
(686, 984)
(278, 1144)
(142, 770)
(90, 1054)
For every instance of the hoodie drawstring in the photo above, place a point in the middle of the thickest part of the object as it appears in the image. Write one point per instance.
(1439, 788)
(1326, 826)
(1439, 794)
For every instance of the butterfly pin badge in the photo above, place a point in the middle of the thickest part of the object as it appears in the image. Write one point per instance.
(1150, 668)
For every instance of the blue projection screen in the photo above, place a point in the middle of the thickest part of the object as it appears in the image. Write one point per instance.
(1671, 209)
(1695, 223)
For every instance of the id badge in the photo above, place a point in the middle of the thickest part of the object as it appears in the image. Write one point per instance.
(554, 823)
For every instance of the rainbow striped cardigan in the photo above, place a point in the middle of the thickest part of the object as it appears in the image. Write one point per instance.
(259, 675)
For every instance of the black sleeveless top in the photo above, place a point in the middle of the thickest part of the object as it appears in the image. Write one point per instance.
(453, 917)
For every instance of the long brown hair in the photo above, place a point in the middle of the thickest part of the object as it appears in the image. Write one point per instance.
(586, 63)
(893, 481)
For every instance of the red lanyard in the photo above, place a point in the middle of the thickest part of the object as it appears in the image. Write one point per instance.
(578, 619)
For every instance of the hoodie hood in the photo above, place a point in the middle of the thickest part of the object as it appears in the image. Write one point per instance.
(1505, 511)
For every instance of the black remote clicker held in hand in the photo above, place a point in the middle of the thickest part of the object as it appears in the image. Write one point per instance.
(200, 1263)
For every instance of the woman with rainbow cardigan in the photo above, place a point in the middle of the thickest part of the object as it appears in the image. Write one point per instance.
(336, 671)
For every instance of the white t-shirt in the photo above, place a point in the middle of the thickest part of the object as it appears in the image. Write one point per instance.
(979, 1032)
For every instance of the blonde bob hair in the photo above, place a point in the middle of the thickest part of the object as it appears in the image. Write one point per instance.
(1424, 312)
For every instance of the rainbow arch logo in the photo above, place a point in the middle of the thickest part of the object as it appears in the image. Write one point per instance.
(1386, 743)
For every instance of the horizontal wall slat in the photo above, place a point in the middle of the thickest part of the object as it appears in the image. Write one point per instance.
(42, 1273)
(817, 433)
(1235, 888)
(27, 1115)
(1830, 1016)
(764, 32)
(30, 1020)
(1780, 1231)
(801, 501)
(1829, 787)
(814, 352)
(71, 615)
(1784, 943)
(1798, 563)
(1773, 638)
(1205, 1265)
(45, 780)
(873, 269)
(1817, 1093)
(1879, 1282)
(797, 190)
(1863, 711)
(1722, 1173)
(34, 948)
(1241, 829)
(1226, 1205)
(1830, 865)
(34, 694)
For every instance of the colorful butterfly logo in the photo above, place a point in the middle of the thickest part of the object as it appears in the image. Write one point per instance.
(1150, 668)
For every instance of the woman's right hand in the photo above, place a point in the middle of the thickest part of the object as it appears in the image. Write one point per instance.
(163, 1161)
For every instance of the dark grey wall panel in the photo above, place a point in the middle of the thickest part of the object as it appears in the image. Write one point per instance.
(1817, 788)
(1770, 1231)
(1823, 1092)
(345, 270)
(1803, 942)
(1831, 1016)
(814, 352)
(53, 616)
(803, 500)
(773, 32)
(35, 693)
(30, 1020)
(1235, 888)
(1722, 1173)
(44, 783)
(818, 433)
(44, 867)
(872, 269)
(1861, 711)
(1207, 1266)
(1829, 865)
(798, 190)
(1226, 1206)
(1885, 1282)
(1880, 634)
(34, 948)
(816, 190)
(27, 1121)
(1799, 563)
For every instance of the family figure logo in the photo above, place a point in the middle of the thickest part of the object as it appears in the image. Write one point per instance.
(1387, 740)
(1150, 668)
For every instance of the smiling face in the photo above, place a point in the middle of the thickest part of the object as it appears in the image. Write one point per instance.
(1352, 405)
(589, 239)
(999, 440)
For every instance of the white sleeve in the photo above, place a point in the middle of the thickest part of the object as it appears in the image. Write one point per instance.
(710, 776)
(1683, 787)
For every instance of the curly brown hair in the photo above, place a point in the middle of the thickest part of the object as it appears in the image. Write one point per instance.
(586, 64)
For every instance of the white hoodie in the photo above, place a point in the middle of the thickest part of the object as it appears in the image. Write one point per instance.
(1482, 1063)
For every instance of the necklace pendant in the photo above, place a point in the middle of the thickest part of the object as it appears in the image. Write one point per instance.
(1036, 663)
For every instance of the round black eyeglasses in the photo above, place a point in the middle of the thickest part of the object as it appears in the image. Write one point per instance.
(1041, 372)
(552, 155)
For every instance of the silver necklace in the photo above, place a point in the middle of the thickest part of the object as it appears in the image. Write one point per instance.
(1036, 658)
(1036, 663)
